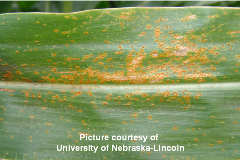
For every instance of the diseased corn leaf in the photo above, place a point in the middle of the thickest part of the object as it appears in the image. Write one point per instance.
(35, 118)
(126, 46)
(130, 46)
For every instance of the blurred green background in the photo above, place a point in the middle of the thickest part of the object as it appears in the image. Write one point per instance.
(73, 6)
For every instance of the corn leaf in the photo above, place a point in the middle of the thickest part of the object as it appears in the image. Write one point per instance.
(171, 74)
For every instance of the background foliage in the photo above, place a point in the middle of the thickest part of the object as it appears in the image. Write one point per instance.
(69, 6)
(34, 118)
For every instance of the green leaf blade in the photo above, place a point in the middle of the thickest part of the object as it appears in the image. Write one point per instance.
(50, 115)
(126, 46)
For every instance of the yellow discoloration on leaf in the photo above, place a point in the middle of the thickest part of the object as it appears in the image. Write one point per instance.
(72, 59)
(213, 16)
(232, 32)
(190, 17)
(7, 90)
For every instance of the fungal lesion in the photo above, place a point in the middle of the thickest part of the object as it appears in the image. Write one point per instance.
(181, 98)
(181, 51)
(193, 16)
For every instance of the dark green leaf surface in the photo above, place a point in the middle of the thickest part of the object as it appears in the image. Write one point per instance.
(170, 72)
